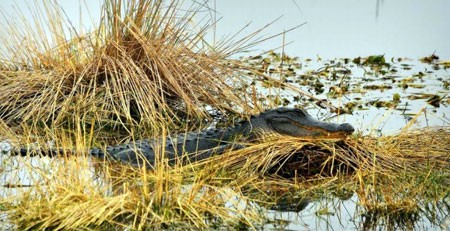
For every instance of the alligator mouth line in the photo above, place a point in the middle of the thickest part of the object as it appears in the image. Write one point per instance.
(322, 132)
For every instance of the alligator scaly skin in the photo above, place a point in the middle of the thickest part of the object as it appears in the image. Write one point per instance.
(192, 146)
(195, 146)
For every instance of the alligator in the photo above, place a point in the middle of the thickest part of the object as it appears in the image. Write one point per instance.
(195, 146)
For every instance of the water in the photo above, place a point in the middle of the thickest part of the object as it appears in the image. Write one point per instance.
(349, 28)
(338, 214)
(415, 82)
(328, 213)
(370, 90)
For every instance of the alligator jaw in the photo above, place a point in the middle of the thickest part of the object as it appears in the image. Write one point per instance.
(298, 123)
(293, 122)
(319, 129)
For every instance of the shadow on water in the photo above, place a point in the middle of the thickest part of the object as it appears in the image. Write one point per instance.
(384, 96)
(356, 85)
(343, 214)
(342, 208)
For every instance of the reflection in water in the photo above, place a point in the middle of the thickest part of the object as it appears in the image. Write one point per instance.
(429, 216)
(347, 212)
(339, 209)
(377, 10)
(291, 204)
(338, 214)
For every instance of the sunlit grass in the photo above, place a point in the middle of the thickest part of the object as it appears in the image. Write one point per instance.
(147, 66)
(235, 188)
(148, 71)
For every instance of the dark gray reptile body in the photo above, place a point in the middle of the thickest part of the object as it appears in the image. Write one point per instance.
(191, 146)
(194, 146)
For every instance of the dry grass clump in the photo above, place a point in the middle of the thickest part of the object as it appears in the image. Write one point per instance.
(419, 184)
(422, 148)
(145, 67)
(234, 189)
(120, 197)
(394, 176)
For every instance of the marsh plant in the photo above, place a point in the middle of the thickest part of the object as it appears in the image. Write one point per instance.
(147, 70)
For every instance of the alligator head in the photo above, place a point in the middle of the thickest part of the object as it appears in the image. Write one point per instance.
(298, 123)
(281, 121)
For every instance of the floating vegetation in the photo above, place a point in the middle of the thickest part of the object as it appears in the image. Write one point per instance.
(381, 103)
(445, 64)
(375, 60)
(377, 87)
(339, 79)
(148, 71)
(430, 59)
(435, 100)
(387, 174)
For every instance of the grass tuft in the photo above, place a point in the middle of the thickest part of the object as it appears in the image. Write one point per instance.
(147, 66)
(148, 70)
(236, 188)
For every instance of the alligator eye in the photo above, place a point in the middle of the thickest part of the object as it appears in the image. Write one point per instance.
(300, 112)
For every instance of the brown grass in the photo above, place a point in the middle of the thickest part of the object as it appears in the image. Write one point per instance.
(147, 70)
(147, 66)
(386, 174)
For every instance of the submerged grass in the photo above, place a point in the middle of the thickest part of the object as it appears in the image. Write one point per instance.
(393, 181)
(145, 71)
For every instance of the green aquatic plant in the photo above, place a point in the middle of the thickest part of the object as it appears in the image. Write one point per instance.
(146, 72)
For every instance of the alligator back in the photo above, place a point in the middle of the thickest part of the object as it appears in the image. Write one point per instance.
(185, 147)
(194, 146)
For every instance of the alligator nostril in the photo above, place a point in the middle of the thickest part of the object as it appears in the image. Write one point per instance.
(347, 127)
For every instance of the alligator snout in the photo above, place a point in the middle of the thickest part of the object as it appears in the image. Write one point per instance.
(346, 127)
